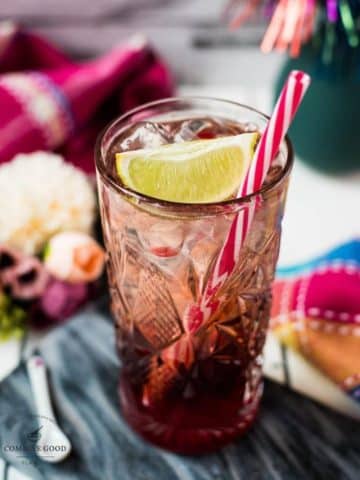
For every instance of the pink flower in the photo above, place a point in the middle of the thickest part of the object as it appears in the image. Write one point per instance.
(74, 257)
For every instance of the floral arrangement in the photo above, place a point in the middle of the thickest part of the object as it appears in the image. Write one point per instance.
(331, 27)
(49, 260)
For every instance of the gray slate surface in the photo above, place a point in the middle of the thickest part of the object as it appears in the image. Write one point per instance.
(293, 438)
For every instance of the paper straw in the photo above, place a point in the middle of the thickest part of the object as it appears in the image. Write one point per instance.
(247, 11)
(274, 28)
(297, 39)
(310, 16)
(290, 20)
(269, 144)
(332, 10)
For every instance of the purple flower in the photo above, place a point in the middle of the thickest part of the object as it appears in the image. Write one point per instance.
(22, 277)
(59, 301)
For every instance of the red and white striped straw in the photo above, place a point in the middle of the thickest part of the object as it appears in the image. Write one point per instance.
(269, 144)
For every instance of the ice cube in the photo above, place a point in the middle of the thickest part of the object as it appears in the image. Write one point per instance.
(163, 239)
(141, 135)
(250, 127)
(191, 129)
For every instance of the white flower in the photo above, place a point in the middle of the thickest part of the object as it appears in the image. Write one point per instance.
(41, 195)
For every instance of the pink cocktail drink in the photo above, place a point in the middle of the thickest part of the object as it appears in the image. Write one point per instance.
(188, 390)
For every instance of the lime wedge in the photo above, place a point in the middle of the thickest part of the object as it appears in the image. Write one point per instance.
(201, 171)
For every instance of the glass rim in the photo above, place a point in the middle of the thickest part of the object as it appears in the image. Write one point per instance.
(201, 208)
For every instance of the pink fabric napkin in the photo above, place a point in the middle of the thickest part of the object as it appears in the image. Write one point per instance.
(49, 102)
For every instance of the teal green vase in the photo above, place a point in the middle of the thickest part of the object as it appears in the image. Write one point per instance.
(325, 132)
